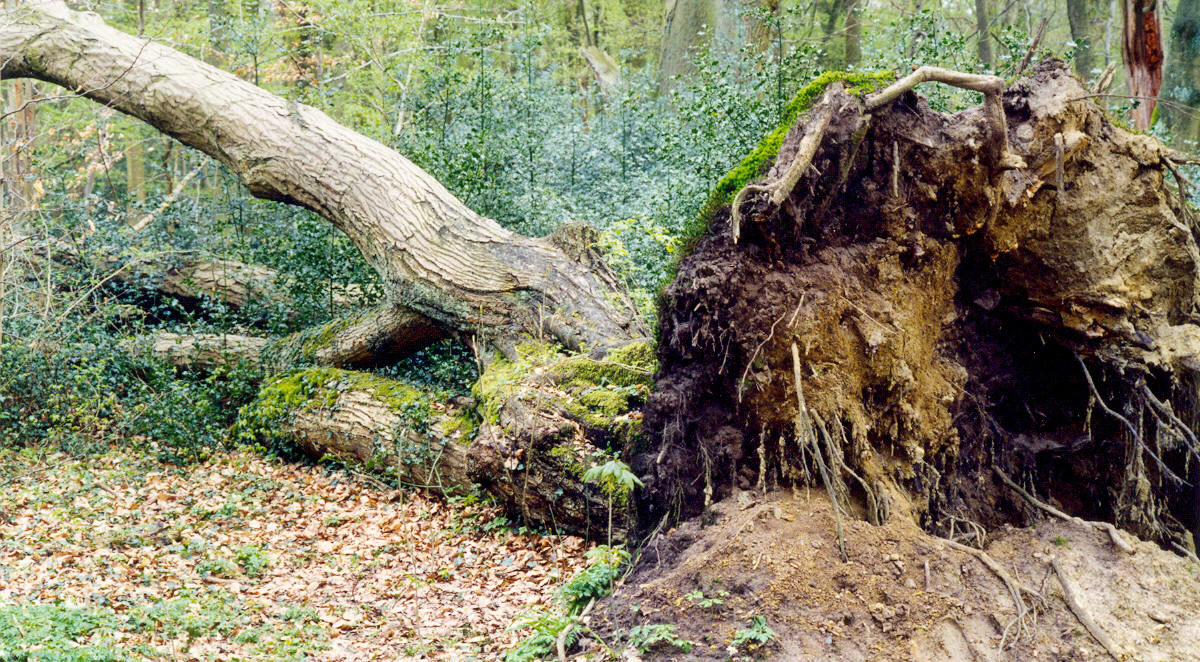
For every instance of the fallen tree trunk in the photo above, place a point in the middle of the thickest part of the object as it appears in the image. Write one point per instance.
(435, 256)
(955, 304)
(540, 423)
(445, 270)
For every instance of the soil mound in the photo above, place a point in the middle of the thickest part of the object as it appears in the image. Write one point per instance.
(902, 594)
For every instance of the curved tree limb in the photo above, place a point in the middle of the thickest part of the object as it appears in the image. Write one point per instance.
(435, 256)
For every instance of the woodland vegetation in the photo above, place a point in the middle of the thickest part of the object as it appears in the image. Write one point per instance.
(599, 330)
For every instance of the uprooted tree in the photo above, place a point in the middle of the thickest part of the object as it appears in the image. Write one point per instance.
(883, 300)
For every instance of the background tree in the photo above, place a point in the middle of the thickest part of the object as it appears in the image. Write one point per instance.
(1142, 53)
(1181, 82)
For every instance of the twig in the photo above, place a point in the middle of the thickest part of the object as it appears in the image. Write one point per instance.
(754, 356)
(1103, 526)
(167, 202)
(1032, 47)
(1072, 598)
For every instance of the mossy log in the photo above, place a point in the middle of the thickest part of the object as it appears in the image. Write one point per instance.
(533, 429)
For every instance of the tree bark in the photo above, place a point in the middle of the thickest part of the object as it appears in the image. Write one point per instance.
(982, 23)
(853, 33)
(1084, 17)
(1142, 53)
(436, 257)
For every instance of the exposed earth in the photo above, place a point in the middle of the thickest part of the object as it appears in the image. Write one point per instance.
(903, 594)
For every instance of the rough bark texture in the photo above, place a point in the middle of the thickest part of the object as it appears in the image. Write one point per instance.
(436, 257)
(1086, 18)
(936, 301)
(1142, 52)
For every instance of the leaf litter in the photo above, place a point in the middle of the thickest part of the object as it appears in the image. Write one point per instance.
(252, 558)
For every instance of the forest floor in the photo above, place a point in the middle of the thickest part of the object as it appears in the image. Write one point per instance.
(122, 557)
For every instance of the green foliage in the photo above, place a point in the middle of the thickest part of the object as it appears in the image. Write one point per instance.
(588, 585)
(757, 635)
(650, 636)
(252, 560)
(615, 478)
(546, 626)
(698, 598)
(217, 568)
(595, 581)
(58, 633)
(80, 397)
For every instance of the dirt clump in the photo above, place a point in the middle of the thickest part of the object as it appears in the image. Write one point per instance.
(902, 595)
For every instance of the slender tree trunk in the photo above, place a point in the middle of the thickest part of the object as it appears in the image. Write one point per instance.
(1182, 77)
(436, 257)
(135, 173)
(853, 33)
(1142, 52)
(1086, 20)
(982, 24)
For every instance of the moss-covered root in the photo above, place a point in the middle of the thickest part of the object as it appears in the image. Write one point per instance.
(760, 159)
(378, 336)
(599, 394)
(549, 417)
(364, 421)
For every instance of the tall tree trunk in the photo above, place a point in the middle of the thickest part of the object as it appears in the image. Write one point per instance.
(692, 27)
(853, 33)
(1182, 78)
(982, 24)
(462, 271)
(1142, 52)
(1086, 20)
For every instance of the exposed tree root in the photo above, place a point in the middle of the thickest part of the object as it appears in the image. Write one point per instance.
(1014, 591)
(1111, 530)
(1071, 594)
(808, 439)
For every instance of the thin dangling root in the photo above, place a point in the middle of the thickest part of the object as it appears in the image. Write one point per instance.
(806, 436)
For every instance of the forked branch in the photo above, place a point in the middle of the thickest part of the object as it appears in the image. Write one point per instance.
(993, 106)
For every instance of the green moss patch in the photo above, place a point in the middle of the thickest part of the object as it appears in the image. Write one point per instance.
(596, 392)
(758, 161)
(309, 389)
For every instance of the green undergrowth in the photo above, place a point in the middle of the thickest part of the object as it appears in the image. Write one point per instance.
(595, 392)
(572, 598)
(61, 632)
(759, 160)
